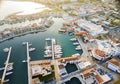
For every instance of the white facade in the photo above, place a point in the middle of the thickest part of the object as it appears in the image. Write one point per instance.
(108, 48)
(91, 27)
(113, 67)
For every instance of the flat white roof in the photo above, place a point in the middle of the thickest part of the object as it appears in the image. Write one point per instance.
(91, 27)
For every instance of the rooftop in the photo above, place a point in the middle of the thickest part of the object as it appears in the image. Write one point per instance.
(93, 73)
(84, 33)
(99, 52)
(115, 62)
(40, 62)
(61, 66)
(68, 59)
(91, 27)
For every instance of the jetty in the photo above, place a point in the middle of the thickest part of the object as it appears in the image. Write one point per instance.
(53, 54)
(28, 64)
(6, 65)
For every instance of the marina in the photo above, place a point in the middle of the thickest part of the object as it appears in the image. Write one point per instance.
(56, 46)
(18, 54)
(53, 50)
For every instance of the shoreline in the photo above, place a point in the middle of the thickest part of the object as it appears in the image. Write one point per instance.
(29, 32)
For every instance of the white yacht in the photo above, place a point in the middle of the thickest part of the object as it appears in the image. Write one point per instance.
(2, 68)
(48, 52)
(78, 47)
(10, 67)
(58, 52)
(6, 49)
(24, 43)
(76, 43)
(7, 80)
(48, 47)
(73, 39)
(48, 39)
(30, 44)
(32, 49)
(8, 73)
(48, 55)
(77, 54)
(57, 56)
(24, 61)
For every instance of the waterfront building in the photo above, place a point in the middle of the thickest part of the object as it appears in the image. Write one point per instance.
(41, 69)
(62, 62)
(99, 54)
(91, 27)
(7, 33)
(114, 64)
(108, 47)
(84, 33)
(95, 76)
(83, 64)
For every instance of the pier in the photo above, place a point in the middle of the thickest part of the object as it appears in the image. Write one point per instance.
(28, 64)
(53, 54)
(6, 65)
(56, 69)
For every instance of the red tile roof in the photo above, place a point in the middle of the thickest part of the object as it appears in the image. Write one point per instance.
(84, 33)
(115, 62)
(99, 52)
(87, 72)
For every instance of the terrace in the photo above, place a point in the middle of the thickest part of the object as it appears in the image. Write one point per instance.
(95, 76)
(43, 70)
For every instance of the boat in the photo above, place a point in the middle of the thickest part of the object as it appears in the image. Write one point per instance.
(24, 43)
(48, 52)
(30, 44)
(24, 61)
(7, 80)
(2, 68)
(76, 43)
(48, 39)
(78, 47)
(73, 39)
(48, 47)
(60, 52)
(77, 54)
(6, 49)
(8, 73)
(32, 49)
(57, 56)
(48, 55)
(10, 67)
